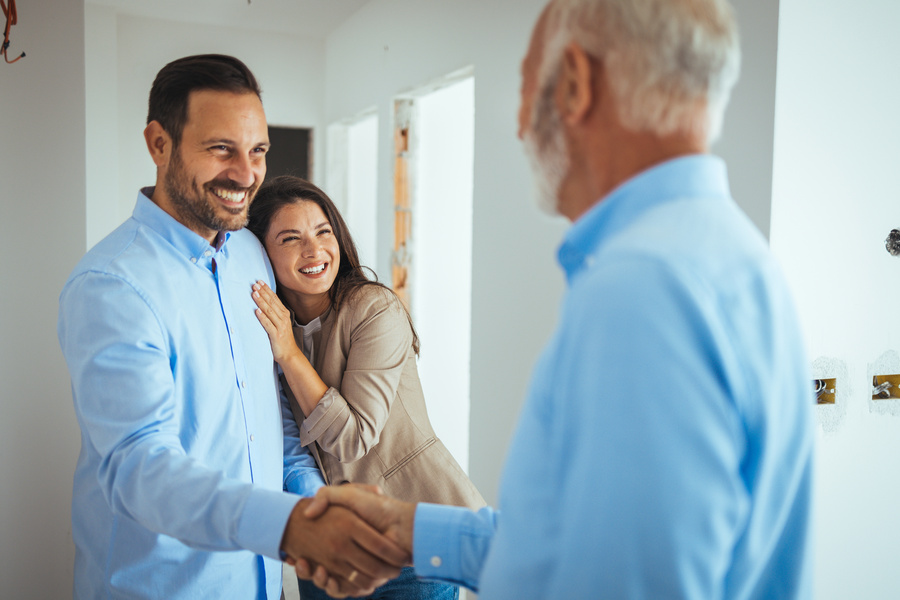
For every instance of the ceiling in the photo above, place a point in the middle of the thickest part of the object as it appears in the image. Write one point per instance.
(312, 18)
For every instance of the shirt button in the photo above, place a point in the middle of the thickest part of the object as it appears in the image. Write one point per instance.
(207, 253)
(436, 561)
(252, 437)
(193, 260)
(243, 384)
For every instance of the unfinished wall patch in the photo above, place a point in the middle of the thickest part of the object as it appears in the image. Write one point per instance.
(830, 416)
(881, 370)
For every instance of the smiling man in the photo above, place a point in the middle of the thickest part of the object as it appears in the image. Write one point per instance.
(186, 451)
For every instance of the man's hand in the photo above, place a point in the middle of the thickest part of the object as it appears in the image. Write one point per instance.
(357, 557)
(392, 517)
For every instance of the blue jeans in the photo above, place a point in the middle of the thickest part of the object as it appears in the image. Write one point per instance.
(405, 587)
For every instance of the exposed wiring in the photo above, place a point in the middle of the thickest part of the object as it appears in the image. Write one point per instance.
(11, 19)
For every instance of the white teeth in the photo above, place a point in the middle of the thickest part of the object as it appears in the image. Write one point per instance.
(229, 195)
(313, 270)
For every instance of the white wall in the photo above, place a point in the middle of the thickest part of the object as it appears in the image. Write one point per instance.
(124, 54)
(748, 131)
(42, 234)
(394, 46)
(837, 144)
(441, 148)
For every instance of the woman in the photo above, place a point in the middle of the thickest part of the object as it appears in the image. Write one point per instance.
(347, 351)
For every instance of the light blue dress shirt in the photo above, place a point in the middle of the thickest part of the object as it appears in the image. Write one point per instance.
(665, 448)
(186, 448)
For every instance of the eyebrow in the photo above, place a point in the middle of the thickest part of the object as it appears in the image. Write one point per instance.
(297, 231)
(230, 142)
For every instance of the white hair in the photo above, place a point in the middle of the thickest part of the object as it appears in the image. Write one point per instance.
(671, 63)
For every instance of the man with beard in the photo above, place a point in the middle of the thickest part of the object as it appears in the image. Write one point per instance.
(186, 450)
(665, 447)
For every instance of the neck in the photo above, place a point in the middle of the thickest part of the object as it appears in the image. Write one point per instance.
(612, 159)
(306, 307)
(162, 200)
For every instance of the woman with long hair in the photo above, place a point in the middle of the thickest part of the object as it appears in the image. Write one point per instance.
(346, 350)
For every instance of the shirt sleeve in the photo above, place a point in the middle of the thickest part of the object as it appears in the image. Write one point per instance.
(124, 396)
(347, 424)
(301, 474)
(451, 543)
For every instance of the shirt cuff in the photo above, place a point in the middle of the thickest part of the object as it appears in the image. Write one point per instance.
(320, 418)
(436, 547)
(263, 521)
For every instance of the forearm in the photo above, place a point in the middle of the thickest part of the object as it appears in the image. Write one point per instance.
(306, 385)
(168, 492)
(301, 473)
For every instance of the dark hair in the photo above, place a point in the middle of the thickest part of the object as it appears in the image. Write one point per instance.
(174, 83)
(282, 191)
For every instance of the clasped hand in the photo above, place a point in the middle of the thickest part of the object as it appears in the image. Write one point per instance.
(363, 537)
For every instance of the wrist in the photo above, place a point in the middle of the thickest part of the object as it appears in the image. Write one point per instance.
(295, 517)
(291, 356)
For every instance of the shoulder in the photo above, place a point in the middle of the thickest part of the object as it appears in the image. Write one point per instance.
(244, 239)
(373, 310)
(371, 299)
(107, 254)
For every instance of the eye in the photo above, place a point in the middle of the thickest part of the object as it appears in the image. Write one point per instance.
(325, 231)
(289, 238)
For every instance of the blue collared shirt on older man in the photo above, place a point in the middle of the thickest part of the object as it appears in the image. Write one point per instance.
(186, 448)
(669, 419)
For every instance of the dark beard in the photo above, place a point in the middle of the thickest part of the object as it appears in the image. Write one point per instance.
(190, 201)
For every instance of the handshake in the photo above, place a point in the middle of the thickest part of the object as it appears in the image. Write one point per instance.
(349, 539)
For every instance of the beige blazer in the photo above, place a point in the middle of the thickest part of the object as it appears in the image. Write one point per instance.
(371, 426)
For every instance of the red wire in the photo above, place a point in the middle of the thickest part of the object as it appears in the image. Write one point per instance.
(11, 19)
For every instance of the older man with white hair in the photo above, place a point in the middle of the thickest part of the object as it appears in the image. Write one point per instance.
(666, 446)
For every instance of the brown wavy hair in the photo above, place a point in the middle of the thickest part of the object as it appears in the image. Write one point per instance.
(282, 191)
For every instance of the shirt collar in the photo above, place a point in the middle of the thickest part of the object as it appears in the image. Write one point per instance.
(192, 245)
(699, 175)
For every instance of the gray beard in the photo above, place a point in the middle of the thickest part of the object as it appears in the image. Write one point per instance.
(545, 147)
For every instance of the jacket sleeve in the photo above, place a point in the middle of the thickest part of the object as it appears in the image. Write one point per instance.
(348, 423)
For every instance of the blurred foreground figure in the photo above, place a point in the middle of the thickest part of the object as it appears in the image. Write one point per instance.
(665, 449)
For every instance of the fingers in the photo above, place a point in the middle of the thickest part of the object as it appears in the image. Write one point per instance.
(301, 567)
(342, 543)
(269, 303)
(327, 495)
(318, 505)
(378, 545)
(276, 320)
(393, 518)
(343, 495)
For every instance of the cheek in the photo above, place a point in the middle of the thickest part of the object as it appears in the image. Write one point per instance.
(336, 257)
(281, 264)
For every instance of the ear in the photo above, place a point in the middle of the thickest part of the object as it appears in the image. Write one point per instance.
(159, 143)
(577, 91)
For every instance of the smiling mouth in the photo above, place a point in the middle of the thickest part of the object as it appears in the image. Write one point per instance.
(230, 196)
(314, 270)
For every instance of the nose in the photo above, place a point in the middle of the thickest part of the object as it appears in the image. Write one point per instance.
(311, 247)
(244, 171)
(523, 123)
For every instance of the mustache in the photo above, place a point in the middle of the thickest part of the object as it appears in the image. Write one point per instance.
(227, 184)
